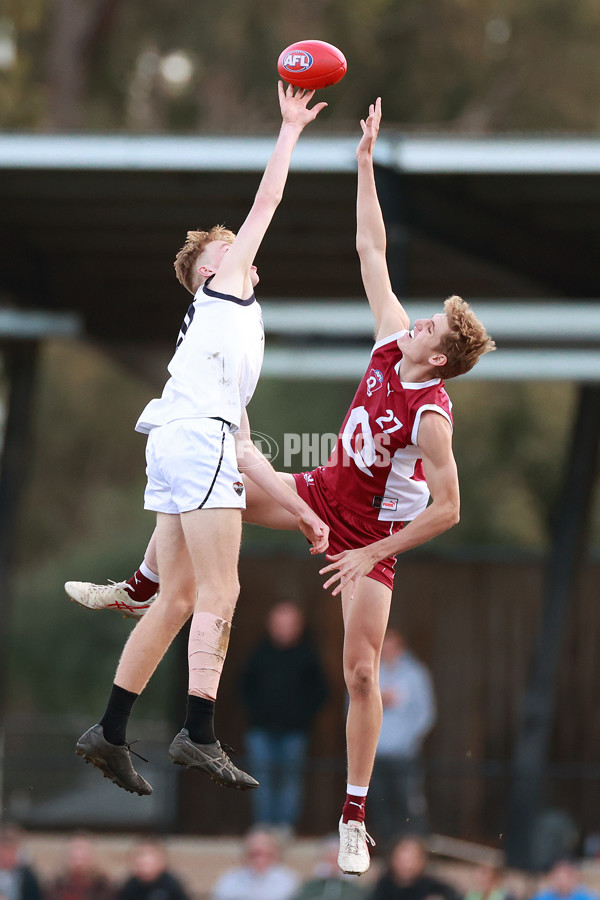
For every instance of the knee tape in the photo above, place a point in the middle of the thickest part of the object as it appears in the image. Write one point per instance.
(207, 649)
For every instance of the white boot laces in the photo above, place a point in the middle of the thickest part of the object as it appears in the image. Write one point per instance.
(120, 584)
(354, 835)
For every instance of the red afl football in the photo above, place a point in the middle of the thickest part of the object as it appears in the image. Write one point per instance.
(312, 64)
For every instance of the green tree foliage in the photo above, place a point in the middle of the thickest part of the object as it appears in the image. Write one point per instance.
(81, 518)
(479, 65)
(87, 467)
(510, 443)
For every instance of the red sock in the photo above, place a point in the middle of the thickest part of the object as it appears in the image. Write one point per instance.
(142, 588)
(354, 809)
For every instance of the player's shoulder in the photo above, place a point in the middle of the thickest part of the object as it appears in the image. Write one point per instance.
(432, 393)
(440, 394)
(221, 291)
(386, 353)
(430, 405)
(388, 344)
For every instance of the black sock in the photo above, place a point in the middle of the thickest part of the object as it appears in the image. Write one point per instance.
(199, 720)
(116, 715)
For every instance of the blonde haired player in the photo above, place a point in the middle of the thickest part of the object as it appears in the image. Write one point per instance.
(196, 429)
(393, 454)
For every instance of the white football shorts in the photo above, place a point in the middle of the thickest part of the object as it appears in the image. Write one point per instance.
(191, 464)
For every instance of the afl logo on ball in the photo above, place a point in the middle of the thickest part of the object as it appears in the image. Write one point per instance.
(297, 61)
(238, 487)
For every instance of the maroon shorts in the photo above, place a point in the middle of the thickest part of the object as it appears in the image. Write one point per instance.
(347, 530)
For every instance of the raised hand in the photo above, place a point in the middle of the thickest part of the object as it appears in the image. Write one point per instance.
(293, 103)
(370, 129)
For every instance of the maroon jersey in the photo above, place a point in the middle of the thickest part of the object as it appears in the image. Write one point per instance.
(376, 467)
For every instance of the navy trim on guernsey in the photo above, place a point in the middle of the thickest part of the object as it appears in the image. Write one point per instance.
(220, 419)
(233, 299)
(192, 309)
(186, 324)
(212, 484)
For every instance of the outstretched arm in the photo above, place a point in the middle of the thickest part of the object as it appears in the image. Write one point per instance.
(232, 275)
(435, 442)
(390, 315)
(257, 467)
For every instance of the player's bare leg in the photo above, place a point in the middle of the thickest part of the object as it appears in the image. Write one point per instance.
(105, 744)
(213, 540)
(365, 621)
(261, 509)
(153, 635)
(218, 531)
(151, 556)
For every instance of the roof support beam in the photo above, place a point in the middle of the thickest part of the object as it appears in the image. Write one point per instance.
(531, 751)
(20, 361)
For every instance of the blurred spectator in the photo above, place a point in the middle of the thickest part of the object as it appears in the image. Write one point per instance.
(591, 845)
(398, 803)
(80, 878)
(405, 878)
(554, 835)
(488, 884)
(563, 884)
(328, 882)
(283, 686)
(262, 875)
(18, 880)
(151, 878)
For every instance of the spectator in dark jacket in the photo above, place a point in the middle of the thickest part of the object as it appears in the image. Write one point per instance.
(151, 879)
(406, 879)
(283, 686)
(18, 880)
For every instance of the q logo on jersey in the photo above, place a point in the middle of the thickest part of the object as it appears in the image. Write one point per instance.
(297, 61)
(374, 381)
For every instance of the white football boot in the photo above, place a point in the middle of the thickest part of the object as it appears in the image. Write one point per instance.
(116, 595)
(354, 857)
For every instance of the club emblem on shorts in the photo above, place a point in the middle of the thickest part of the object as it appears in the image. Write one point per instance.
(238, 487)
(297, 61)
(374, 381)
